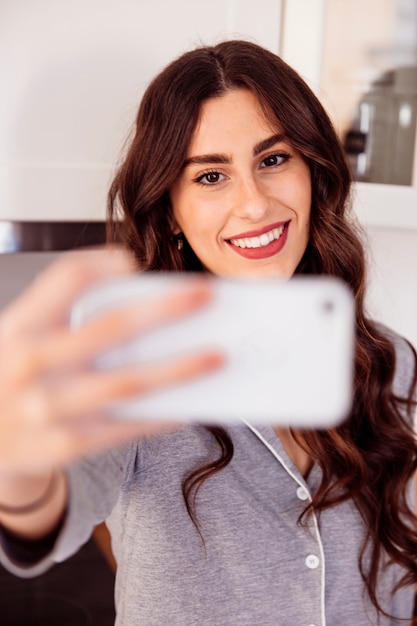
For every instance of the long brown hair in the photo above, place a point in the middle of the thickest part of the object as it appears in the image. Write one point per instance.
(372, 456)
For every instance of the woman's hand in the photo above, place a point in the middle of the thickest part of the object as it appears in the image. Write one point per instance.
(51, 404)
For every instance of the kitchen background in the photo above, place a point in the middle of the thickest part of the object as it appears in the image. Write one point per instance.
(72, 74)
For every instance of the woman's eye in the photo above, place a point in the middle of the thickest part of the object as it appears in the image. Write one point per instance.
(274, 160)
(210, 178)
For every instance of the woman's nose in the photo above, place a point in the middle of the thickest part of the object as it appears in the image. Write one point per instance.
(251, 201)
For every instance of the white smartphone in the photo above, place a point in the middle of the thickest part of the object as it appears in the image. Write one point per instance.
(288, 349)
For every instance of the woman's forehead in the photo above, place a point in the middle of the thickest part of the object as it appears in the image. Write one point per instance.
(226, 117)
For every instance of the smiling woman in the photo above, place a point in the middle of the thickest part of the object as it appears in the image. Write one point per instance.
(234, 169)
(243, 198)
(243, 152)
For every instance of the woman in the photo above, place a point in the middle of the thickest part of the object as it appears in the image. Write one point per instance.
(236, 170)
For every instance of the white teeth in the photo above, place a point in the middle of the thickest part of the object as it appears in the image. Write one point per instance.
(259, 242)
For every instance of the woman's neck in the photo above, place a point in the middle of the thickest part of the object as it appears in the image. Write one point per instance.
(298, 456)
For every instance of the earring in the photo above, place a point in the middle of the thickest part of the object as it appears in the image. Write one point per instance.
(180, 241)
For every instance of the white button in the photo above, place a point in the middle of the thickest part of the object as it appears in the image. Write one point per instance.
(312, 561)
(302, 494)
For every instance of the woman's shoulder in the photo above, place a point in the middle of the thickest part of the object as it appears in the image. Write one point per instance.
(405, 360)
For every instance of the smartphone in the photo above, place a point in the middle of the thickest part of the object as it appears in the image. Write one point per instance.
(288, 347)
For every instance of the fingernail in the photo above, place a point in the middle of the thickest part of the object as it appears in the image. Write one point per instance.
(214, 360)
(200, 295)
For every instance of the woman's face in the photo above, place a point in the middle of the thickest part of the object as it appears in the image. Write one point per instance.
(243, 198)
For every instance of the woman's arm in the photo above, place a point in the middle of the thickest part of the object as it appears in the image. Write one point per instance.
(51, 403)
(32, 506)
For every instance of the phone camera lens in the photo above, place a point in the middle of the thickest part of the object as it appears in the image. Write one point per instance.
(328, 306)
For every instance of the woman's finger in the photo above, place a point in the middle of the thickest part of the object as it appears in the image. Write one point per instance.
(90, 393)
(41, 449)
(52, 425)
(66, 349)
(46, 301)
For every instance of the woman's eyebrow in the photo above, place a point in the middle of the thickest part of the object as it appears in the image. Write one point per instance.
(268, 143)
(206, 159)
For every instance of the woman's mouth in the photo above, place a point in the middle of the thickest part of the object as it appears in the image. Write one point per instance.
(262, 245)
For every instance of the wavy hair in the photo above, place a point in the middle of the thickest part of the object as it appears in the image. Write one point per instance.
(371, 457)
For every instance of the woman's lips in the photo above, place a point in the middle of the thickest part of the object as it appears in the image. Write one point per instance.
(260, 244)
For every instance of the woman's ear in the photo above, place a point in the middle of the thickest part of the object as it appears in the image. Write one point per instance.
(177, 234)
(175, 227)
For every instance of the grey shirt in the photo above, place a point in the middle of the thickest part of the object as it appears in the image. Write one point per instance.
(257, 565)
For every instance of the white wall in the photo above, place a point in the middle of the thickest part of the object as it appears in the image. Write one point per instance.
(392, 292)
(72, 73)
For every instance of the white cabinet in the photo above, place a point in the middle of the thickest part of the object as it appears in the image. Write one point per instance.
(72, 74)
(308, 26)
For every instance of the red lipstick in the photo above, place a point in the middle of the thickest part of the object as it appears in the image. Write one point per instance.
(263, 251)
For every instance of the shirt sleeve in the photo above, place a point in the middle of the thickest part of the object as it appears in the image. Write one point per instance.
(94, 487)
(27, 551)
(405, 369)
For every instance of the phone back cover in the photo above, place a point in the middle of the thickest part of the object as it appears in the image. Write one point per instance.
(288, 347)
